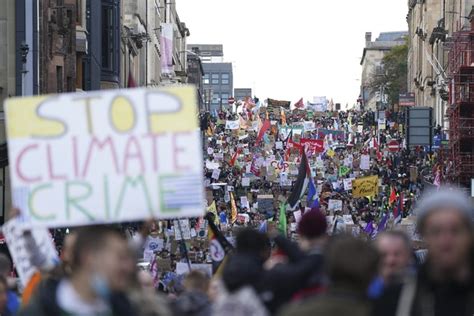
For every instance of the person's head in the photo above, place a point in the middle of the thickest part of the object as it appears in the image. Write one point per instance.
(445, 221)
(351, 262)
(145, 280)
(394, 248)
(250, 241)
(196, 281)
(312, 229)
(101, 255)
(5, 265)
(3, 294)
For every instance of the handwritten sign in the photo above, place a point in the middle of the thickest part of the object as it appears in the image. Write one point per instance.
(233, 125)
(367, 186)
(108, 156)
(365, 162)
(313, 145)
(335, 205)
(23, 248)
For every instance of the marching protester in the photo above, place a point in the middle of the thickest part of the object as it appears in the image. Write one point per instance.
(444, 285)
(12, 300)
(351, 264)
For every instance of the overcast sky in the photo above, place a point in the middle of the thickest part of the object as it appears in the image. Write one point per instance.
(291, 49)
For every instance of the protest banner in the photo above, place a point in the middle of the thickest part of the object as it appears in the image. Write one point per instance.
(105, 156)
(367, 186)
(30, 252)
(233, 125)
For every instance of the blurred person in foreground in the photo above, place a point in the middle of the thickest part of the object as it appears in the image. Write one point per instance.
(13, 302)
(194, 301)
(101, 270)
(396, 260)
(4, 297)
(444, 284)
(351, 264)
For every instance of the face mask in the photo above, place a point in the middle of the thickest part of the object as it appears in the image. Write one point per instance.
(100, 287)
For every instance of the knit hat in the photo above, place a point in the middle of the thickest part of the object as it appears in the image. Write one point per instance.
(313, 224)
(445, 197)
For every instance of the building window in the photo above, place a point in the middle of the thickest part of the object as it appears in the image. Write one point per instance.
(108, 38)
(225, 97)
(215, 78)
(225, 78)
(205, 79)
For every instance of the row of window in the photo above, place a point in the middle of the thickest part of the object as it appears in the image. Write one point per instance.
(220, 98)
(215, 78)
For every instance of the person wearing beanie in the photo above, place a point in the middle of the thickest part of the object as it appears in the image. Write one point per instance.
(444, 284)
(301, 276)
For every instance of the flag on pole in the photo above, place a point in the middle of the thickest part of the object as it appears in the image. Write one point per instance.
(383, 222)
(283, 117)
(393, 197)
(301, 183)
(219, 246)
(233, 208)
(282, 224)
(398, 210)
(265, 127)
(234, 157)
(299, 104)
(311, 191)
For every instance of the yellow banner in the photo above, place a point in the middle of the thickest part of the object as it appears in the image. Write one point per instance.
(367, 186)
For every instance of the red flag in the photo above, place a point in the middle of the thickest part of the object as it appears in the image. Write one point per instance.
(265, 127)
(393, 197)
(299, 104)
(234, 157)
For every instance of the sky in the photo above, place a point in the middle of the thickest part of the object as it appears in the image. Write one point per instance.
(286, 49)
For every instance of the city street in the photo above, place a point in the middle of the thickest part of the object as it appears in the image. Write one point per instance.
(241, 158)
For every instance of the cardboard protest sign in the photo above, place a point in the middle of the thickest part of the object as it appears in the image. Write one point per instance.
(265, 203)
(216, 173)
(24, 249)
(367, 186)
(347, 184)
(105, 156)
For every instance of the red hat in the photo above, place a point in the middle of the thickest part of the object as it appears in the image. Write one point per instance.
(313, 224)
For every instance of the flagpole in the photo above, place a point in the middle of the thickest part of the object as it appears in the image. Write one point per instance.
(183, 244)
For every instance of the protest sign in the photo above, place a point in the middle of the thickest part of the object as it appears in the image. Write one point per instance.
(182, 229)
(216, 173)
(365, 162)
(309, 126)
(313, 145)
(347, 184)
(30, 252)
(245, 182)
(367, 186)
(335, 205)
(265, 203)
(233, 125)
(105, 156)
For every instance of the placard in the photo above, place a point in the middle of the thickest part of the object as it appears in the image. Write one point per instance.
(245, 182)
(367, 186)
(20, 247)
(182, 229)
(265, 203)
(335, 205)
(232, 125)
(105, 156)
(365, 162)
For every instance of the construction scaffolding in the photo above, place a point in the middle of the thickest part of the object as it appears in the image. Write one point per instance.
(461, 107)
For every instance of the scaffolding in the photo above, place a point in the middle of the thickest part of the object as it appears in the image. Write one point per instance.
(461, 107)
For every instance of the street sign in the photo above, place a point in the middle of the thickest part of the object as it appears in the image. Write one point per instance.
(231, 100)
(393, 146)
(407, 99)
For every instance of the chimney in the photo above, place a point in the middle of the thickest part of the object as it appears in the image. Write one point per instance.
(368, 37)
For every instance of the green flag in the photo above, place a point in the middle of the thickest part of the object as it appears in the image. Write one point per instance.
(344, 171)
(282, 224)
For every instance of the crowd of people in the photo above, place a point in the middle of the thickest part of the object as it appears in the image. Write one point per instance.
(309, 213)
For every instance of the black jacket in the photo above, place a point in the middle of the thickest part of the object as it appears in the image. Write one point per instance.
(44, 302)
(431, 298)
